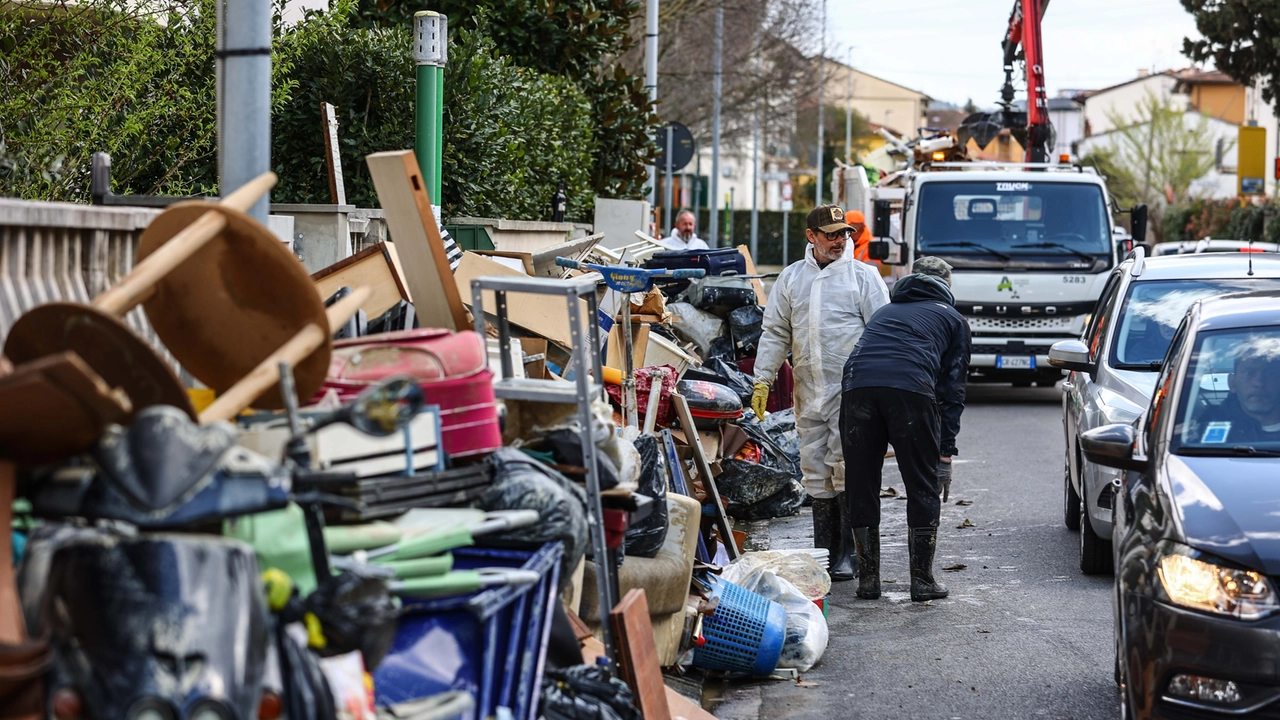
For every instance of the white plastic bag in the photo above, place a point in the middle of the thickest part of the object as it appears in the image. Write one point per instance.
(807, 632)
(795, 566)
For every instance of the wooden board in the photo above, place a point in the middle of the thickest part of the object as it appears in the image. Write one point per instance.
(12, 629)
(523, 260)
(64, 407)
(412, 225)
(680, 707)
(751, 270)
(371, 268)
(704, 470)
(638, 654)
(546, 316)
(332, 156)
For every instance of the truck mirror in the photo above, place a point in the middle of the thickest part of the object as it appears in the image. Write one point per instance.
(878, 250)
(1138, 223)
(880, 219)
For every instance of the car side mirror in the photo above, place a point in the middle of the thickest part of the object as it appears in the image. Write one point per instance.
(878, 250)
(1138, 223)
(1071, 355)
(1112, 446)
(880, 219)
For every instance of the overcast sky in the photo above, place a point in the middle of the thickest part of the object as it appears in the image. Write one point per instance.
(950, 49)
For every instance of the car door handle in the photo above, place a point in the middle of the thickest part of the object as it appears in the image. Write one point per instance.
(1068, 385)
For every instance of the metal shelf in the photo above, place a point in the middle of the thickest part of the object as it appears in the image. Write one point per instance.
(548, 391)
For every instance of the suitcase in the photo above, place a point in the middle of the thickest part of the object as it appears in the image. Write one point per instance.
(721, 261)
(452, 369)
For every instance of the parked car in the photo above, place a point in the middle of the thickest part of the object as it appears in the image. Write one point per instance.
(1197, 521)
(1212, 245)
(1124, 342)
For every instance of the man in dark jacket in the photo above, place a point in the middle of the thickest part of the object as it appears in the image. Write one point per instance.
(904, 385)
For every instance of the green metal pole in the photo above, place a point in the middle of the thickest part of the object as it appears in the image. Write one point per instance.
(430, 30)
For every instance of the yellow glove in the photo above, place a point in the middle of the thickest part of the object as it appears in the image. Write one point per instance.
(759, 398)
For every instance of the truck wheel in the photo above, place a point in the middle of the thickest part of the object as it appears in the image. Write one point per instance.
(1070, 500)
(1095, 552)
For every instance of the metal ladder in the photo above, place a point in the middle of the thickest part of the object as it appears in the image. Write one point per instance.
(586, 386)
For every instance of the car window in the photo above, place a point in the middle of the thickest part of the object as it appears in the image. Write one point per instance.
(1164, 383)
(1101, 320)
(1231, 400)
(1152, 310)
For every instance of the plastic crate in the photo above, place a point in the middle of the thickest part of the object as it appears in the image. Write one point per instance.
(744, 634)
(491, 644)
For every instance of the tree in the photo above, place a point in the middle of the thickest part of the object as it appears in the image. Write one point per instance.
(970, 107)
(1242, 38)
(1160, 148)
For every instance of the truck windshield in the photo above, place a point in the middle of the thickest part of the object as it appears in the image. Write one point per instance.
(990, 219)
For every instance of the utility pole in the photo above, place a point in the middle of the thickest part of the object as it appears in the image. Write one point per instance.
(715, 131)
(243, 77)
(430, 53)
(848, 114)
(822, 80)
(667, 189)
(755, 165)
(651, 82)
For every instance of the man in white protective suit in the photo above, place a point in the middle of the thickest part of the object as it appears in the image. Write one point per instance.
(817, 310)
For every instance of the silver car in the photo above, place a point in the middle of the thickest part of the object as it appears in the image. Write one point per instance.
(1113, 367)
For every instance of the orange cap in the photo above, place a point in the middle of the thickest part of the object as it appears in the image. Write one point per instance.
(855, 216)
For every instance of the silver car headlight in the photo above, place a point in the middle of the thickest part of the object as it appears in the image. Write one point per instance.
(1193, 581)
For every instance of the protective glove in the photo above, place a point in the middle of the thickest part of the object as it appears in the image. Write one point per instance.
(944, 477)
(759, 398)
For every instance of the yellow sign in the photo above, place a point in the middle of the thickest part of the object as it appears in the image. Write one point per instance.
(1251, 161)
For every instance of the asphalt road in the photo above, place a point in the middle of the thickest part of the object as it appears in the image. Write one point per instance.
(1023, 633)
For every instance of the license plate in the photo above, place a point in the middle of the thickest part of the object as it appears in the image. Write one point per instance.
(1016, 362)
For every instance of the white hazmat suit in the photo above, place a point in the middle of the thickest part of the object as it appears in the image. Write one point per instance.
(818, 314)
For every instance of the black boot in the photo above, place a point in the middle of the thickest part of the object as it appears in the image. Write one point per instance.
(826, 531)
(842, 565)
(922, 543)
(867, 541)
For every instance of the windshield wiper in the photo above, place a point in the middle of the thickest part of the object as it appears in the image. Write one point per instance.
(1078, 253)
(1241, 450)
(1152, 366)
(965, 243)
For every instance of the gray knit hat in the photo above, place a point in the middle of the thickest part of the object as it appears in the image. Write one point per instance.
(935, 266)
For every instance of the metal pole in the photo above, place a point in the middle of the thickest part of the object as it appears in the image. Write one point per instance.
(730, 214)
(651, 81)
(243, 70)
(697, 190)
(785, 224)
(667, 189)
(848, 115)
(822, 79)
(430, 40)
(755, 167)
(715, 131)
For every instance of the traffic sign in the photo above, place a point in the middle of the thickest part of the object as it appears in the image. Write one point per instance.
(775, 176)
(682, 147)
(786, 196)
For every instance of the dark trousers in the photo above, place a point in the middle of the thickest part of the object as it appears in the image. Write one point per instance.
(870, 420)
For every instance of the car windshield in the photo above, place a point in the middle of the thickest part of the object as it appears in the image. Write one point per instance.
(1230, 402)
(1013, 218)
(1153, 309)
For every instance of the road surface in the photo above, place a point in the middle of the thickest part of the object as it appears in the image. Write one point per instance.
(1023, 633)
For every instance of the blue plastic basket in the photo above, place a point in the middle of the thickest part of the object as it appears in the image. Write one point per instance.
(491, 644)
(744, 634)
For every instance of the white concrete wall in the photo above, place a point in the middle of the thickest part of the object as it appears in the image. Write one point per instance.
(1069, 128)
(1122, 101)
(1214, 184)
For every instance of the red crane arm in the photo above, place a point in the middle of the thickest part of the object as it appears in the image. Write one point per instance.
(1024, 32)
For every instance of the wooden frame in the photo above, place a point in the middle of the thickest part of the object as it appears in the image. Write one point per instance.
(365, 269)
(704, 469)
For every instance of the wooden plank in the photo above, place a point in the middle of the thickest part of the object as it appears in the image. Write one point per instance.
(332, 154)
(412, 224)
(704, 470)
(525, 259)
(371, 268)
(12, 629)
(682, 707)
(546, 316)
(638, 655)
(751, 270)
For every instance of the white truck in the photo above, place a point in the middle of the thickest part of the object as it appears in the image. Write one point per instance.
(1030, 246)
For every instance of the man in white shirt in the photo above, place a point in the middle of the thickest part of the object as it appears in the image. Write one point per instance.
(682, 237)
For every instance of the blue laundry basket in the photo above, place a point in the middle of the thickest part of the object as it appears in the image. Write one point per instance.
(744, 634)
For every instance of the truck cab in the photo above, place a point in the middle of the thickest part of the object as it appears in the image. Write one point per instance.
(1030, 248)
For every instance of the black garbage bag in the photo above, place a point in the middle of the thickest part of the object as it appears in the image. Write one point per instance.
(739, 382)
(520, 483)
(758, 492)
(566, 447)
(586, 692)
(306, 691)
(721, 349)
(779, 444)
(356, 612)
(645, 538)
(745, 326)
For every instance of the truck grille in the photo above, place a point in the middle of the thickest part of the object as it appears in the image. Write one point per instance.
(1000, 324)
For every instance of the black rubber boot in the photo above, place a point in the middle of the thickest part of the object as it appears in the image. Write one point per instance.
(922, 543)
(842, 565)
(867, 541)
(826, 518)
